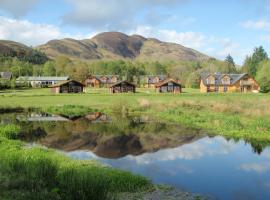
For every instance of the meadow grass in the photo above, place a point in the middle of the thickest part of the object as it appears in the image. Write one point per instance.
(38, 173)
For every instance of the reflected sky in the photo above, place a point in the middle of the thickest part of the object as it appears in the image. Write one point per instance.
(165, 153)
(212, 166)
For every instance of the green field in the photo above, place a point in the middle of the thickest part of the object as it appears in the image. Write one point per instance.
(235, 116)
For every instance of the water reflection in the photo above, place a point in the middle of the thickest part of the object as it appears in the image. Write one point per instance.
(166, 153)
(215, 166)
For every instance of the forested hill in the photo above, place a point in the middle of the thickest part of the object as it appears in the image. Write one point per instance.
(21, 52)
(116, 45)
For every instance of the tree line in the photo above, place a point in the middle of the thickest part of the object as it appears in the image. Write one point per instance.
(257, 65)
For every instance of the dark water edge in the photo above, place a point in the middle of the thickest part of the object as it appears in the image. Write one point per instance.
(185, 158)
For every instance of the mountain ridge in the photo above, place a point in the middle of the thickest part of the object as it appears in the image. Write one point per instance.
(110, 46)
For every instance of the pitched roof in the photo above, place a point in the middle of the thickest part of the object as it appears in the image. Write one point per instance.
(167, 81)
(234, 77)
(44, 78)
(6, 75)
(123, 82)
(151, 78)
(65, 82)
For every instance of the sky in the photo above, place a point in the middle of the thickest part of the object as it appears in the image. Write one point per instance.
(216, 28)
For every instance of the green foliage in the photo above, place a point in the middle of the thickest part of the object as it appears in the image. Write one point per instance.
(263, 76)
(9, 131)
(48, 69)
(251, 64)
(70, 111)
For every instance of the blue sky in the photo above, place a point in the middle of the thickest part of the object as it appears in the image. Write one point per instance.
(216, 28)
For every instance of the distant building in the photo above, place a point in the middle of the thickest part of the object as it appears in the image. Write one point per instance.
(149, 81)
(123, 87)
(168, 86)
(6, 76)
(101, 80)
(41, 81)
(228, 83)
(70, 86)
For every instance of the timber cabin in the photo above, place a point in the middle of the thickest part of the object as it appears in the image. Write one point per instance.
(70, 86)
(149, 81)
(41, 81)
(101, 80)
(168, 86)
(123, 87)
(228, 83)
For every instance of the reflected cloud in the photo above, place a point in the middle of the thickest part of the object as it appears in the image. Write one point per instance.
(193, 151)
(256, 167)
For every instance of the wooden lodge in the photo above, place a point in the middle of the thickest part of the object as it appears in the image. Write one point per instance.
(101, 80)
(223, 83)
(123, 87)
(168, 86)
(70, 86)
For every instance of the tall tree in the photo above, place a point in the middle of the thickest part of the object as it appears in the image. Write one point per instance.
(253, 62)
(263, 76)
(229, 59)
(230, 68)
(49, 69)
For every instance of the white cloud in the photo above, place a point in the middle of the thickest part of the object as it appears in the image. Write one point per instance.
(114, 14)
(188, 39)
(262, 24)
(17, 7)
(31, 33)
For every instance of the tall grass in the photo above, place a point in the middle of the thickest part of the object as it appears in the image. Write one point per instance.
(70, 111)
(37, 173)
(10, 131)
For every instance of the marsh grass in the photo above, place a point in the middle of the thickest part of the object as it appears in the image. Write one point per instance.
(70, 111)
(37, 173)
(10, 131)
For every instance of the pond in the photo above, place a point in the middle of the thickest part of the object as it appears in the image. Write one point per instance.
(165, 153)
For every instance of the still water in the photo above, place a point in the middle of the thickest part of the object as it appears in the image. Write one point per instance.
(166, 153)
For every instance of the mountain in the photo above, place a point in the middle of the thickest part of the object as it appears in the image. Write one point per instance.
(116, 45)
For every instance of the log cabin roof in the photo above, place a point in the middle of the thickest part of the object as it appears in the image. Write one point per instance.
(233, 78)
(6, 75)
(65, 82)
(167, 81)
(123, 82)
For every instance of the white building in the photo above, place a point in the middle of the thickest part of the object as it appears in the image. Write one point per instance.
(41, 81)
